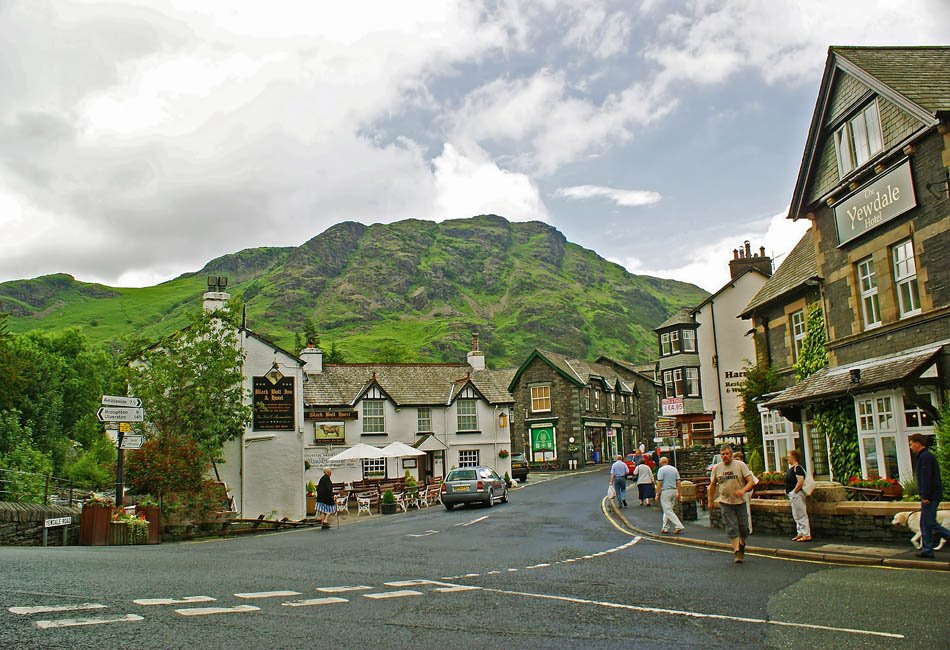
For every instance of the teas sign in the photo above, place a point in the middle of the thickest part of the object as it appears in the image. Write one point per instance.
(888, 196)
(274, 404)
(542, 439)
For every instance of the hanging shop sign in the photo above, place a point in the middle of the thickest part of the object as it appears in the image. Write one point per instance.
(333, 432)
(887, 196)
(274, 404)
(672, 406)
(542, 439)
(330, 416)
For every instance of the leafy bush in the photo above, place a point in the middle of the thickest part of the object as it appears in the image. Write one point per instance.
(389, 497)
(942, 448)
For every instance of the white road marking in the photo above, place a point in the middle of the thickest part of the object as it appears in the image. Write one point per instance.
(538, 566)
(76, 622)
(337, 590)
(174, 601)
(205, 611)
(41, 609)
(676, 612)
(408, 583)
(448, 590)
(393, 594)
(267, 594)
(473, 521)
(425, 534)
(329, 600)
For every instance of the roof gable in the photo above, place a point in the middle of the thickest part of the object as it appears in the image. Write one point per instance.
(798, 268)
(913, 79)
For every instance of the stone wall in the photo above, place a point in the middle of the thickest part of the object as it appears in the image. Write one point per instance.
(21, 524)
(693, 461)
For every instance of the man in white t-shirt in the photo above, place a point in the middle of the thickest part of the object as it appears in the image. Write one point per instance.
(618, 474)
(731, 479)
(668, 479)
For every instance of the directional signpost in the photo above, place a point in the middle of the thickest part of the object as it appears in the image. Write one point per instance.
(122, 410)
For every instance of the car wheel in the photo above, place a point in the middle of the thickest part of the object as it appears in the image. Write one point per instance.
(504, 496)
(491, 499)
(449, 506)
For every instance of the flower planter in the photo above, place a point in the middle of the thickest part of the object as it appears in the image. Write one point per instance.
(94, 525)
(119, 534)
(311, 505)
(894, 492)
(388, 508)
(154, 516)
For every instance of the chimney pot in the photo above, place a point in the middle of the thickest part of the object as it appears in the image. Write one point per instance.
(748, 249)
(761, 251)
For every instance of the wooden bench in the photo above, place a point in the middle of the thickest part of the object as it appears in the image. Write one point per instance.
(864, 494)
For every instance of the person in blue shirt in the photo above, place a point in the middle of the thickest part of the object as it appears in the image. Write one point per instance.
(618, 474)
(930, 489)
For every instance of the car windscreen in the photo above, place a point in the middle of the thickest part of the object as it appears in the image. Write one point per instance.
(461, 475)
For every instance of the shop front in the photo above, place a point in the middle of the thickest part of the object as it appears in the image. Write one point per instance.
(596, 443)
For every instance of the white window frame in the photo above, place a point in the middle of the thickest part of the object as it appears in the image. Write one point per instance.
(679, 385)
(669, 388)
(867, 287)
(912, 411)
(541, 398)
(692, 382)
(466, 411)
(424, 419)
(374, 468)
(665, 344)
(374, 422)
(779, 435)
(797, 325)
(596, 400)
(859, 139)
(881, 428)
(689, 340)
(675, 346)
(905, 278)
(469, 458)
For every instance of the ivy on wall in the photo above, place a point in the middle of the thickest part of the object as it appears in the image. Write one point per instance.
(942, 448)
(759, 380)
(812, 356)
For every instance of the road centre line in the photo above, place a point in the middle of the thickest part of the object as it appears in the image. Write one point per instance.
(329, 600)
(77, 622)
(267, 594)
(393, 594)
(174, 601)
(688, 614)
(425, 534)
(206, 611)
(43, 609)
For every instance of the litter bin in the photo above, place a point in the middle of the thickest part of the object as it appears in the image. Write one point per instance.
(688, 500)
(596, 456)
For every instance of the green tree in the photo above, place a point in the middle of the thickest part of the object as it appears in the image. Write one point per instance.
(759, 379)
(392, 351)
(190, 384)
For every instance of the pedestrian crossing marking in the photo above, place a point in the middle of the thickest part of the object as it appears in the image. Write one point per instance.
(393, 594)
(174, 601)
(449, 590)
(329, 600)
(77, 622)
(205, 611)
(43, 609)
(267, 594)
(337, 590)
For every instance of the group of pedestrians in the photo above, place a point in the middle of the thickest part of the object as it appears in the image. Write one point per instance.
(666, 483)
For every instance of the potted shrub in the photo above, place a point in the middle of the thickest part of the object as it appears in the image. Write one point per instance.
(388, 504)
(95, 520)
(507, 479)
(311, 499)
(148, 508)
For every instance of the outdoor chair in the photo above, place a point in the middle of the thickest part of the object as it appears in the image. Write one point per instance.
(342, 500)
(365, 502)
(402, 501)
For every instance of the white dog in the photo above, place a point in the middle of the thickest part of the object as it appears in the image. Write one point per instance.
(912, 521)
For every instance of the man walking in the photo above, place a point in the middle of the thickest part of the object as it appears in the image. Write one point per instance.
(931, 490)
(668, 478)
(618, 472)
(731, 479)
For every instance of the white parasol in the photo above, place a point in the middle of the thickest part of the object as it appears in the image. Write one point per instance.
(359, 451)
(400, 449)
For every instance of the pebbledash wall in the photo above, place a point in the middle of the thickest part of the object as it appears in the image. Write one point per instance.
(21, 524)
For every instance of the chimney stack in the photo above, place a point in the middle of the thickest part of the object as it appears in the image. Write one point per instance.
(215, 297)
(312, 358)
(475, 358)
(743, 259)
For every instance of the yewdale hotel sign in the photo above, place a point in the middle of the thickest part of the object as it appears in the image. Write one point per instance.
(887, 196)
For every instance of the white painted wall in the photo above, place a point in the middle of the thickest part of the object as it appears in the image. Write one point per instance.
(734, 348)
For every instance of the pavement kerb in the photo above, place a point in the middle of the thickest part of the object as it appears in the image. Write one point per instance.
(831, 558)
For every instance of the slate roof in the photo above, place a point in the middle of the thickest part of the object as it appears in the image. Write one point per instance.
(643, 370)
(921, 74)
(798, 267)
(419, 384)
(681, 317)
(876, 373)
(582, 371)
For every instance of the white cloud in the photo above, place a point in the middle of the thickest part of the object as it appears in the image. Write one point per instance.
(708, 265)
(468, 185)
(625, 198)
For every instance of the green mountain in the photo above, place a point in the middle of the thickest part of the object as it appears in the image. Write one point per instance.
(407, 291)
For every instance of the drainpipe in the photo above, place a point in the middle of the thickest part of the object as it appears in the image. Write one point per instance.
(722, 419)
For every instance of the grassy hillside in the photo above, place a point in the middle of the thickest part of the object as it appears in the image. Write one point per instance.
(411, 289)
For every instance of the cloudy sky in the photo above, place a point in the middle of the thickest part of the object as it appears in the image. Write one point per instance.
(140, 139)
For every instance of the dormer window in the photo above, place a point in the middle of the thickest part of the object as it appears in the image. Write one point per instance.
(858, 139)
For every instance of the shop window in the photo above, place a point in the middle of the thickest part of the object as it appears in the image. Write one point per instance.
(466, 410)
(468, 458)
(858, 139)
(665, 344)
(915, 418)
(689, 341)
(885, 414)
(374, 420)
(374, 468)
(819, 449)
(865, 415)
(540, 399)
(424, 419)
(797, 320)
(692, 382)
(905, 279)
(867, 284)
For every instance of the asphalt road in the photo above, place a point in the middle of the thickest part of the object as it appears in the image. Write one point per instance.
(548, 569)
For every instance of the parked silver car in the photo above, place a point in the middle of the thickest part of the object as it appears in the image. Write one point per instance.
(473, 485)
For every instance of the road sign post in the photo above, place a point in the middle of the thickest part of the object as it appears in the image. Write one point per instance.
(122, 410)
(120, 414)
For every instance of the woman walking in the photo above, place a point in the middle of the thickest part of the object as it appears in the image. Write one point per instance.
(645, 487)
(326, 506)
(794, 481)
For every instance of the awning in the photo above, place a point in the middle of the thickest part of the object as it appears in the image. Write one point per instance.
(734, 430)
(429, 442)
(869, 375)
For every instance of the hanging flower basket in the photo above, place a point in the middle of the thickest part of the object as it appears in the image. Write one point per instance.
(503, 453)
